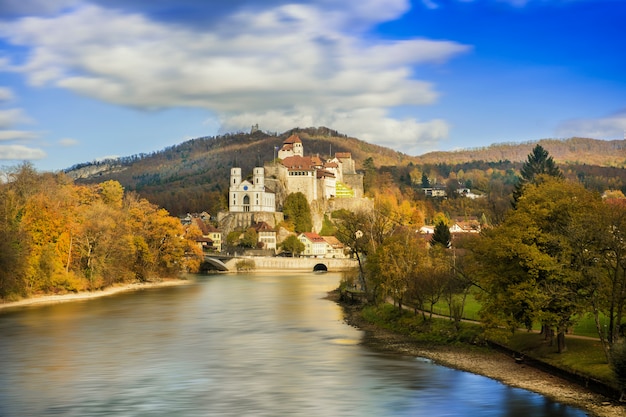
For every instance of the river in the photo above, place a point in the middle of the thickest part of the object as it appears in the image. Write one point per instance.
(228, 345)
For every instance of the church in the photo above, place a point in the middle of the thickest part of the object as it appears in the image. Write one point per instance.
(245, 196)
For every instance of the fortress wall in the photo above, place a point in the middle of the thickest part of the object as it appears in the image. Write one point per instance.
(355, 181)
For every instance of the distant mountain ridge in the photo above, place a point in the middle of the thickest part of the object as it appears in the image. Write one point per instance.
(573, 151)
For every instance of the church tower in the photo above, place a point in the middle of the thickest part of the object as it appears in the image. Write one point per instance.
(235, 177)
(258, 178)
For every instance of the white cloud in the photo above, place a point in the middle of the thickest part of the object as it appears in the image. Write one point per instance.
(20, 152)
(17, 135)
(610, 127)
(272, 61)
(11, 117)
(6, 94)
(409, 135)
(67, 142)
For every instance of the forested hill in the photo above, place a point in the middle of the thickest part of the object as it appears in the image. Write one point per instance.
(573, 151)
(193, 176)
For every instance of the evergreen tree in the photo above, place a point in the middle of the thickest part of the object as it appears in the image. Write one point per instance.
(539, 162)
(441, 235)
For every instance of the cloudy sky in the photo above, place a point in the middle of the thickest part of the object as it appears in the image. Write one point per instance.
(86, 79)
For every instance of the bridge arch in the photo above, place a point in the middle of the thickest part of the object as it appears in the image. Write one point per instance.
(214, 264)
(320, 268)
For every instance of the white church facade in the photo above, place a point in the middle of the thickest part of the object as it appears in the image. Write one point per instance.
(245, 196)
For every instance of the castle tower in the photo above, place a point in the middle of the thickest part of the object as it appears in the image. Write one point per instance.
(298, 149)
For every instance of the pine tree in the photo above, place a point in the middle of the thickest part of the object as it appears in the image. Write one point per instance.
(441, 235)
(539, 162)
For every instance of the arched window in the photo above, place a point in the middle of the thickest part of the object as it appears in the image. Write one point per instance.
(246, 203)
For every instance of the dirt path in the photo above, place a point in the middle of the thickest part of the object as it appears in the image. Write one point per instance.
(489, 363)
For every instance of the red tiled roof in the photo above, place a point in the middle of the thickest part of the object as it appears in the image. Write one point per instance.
(316, 161)
(292, 139)
(313, 237)
(298, 162)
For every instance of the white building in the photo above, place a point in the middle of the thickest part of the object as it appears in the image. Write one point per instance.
(245, 196)
(292, 146)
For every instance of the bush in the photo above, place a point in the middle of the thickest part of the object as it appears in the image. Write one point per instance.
(245, 265)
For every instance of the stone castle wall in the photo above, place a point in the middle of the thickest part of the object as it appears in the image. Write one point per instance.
(232, 221)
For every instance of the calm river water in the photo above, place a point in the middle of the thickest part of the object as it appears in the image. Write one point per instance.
(228, 345)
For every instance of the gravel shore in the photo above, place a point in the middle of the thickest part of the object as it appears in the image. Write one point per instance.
(489, 363)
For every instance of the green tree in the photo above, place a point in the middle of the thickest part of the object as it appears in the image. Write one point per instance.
(249, 238)
(531, 264)
(425, 181)
(297, 211)
(371, 174)
(538, 163)
(441, 235)
(398, 257)
(293, 245)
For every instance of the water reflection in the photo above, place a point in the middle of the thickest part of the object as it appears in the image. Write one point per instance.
(249, 345)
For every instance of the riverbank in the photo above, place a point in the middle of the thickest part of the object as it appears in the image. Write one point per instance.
(486, 362)
(86, 295)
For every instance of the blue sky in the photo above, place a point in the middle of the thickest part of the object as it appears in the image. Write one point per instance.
(82, 80)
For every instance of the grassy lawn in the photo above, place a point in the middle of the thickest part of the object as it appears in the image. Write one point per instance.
(586, 326)
(435, 331)
(583, 356)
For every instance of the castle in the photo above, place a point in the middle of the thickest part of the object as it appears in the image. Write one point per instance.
(321, 181)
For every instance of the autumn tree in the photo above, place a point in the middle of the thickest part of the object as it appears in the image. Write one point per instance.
(530, 264)
(56, 236)
(352, 230)
(398, 258)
